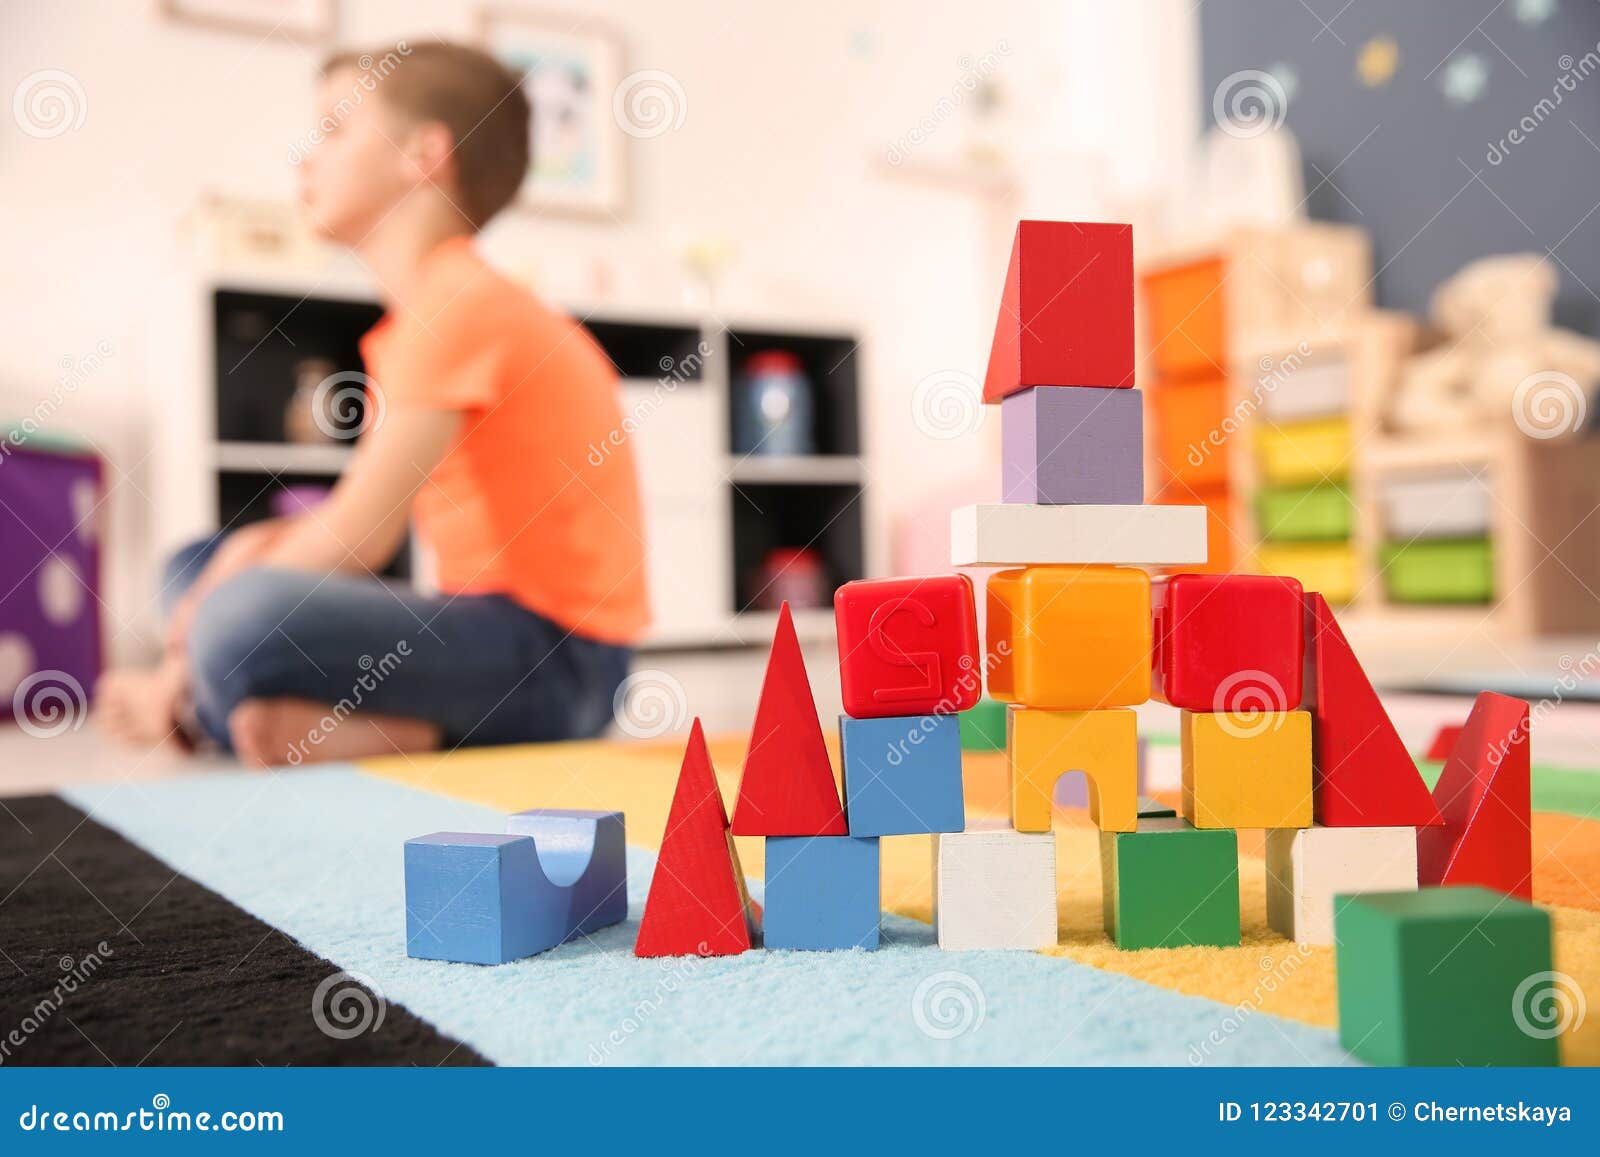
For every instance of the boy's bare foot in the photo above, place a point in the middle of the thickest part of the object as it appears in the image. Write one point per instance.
(271, 732)
(141, 705)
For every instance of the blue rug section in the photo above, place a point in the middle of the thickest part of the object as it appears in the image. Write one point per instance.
(317, 854)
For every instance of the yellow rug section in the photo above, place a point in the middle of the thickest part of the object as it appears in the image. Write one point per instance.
(1266, 974)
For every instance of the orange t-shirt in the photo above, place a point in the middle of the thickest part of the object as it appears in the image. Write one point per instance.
(538, 499)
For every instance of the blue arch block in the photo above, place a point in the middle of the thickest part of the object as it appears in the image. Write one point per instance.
(485, 899)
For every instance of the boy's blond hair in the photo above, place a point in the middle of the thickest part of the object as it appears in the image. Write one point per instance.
(477, 98)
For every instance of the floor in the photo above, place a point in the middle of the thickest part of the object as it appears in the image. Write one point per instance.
(720, 688)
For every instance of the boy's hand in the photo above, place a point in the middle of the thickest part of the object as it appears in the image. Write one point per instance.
(242, 549)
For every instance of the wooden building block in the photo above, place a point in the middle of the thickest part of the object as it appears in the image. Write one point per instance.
(994, 887)
(1307, 867)
(1444, 742)
(1484, 795)
(1043, 745)
(1066, 313)
(487, 899)
(1247, 771)
(902, 776)
(908, 646)
(698, 904)
(586, 853)
(983, 726)
(1072, 638)
(787, 787)
(1168, 885)
(822, 892)
(1228, 642)
(1066, 444)
(1018, 534)
(1365, 777)
(1072, 789)
(1443, 977)
(1303, 452)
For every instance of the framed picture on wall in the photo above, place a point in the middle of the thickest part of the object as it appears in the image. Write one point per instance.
(571, 70)
(308, 20)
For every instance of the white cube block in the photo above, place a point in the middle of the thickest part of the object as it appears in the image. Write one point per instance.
(1308, 867)
(1020, 534)
(994, 887)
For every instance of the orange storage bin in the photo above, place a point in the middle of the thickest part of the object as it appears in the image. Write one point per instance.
(1190, 441)
(1187, 318)
(1223, 544)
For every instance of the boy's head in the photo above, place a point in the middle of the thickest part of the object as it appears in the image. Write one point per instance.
(439, 117)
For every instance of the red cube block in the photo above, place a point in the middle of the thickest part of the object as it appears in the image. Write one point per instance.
(1228, 642)
(1066, 312)
(908, 646)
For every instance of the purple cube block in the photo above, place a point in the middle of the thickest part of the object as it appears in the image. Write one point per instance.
(49, 585)
(1072, 445)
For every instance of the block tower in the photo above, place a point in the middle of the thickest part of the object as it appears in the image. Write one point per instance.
(1078, 635)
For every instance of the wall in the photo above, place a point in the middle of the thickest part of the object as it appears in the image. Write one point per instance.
(1438, 183)
(788, 116)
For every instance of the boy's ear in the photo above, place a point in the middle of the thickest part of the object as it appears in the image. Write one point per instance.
(429, 150)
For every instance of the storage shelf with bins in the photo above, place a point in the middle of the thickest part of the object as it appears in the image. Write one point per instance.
(712, 518)
(798, 519)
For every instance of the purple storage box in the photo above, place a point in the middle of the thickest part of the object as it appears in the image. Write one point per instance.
(50, 643)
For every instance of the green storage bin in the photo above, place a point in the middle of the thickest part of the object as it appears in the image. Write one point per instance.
(1320, 513)
(1439, 571)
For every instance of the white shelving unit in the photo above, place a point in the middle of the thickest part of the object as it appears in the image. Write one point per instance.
(709, 515)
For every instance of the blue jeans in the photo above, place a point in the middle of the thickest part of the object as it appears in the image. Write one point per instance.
(483, 668)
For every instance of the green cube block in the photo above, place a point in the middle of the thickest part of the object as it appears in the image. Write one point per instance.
(1443, 976)
(983, 726)
(1169, 884)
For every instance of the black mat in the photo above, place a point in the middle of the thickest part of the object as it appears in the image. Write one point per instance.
(108, 957)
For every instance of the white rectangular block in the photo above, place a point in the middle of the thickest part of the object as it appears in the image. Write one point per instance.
(1018, 534)
(1308, 867)
(994, 887)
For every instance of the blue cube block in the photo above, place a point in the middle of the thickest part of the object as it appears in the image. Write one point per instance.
(902, 775)
(822, 892)
(468, 897)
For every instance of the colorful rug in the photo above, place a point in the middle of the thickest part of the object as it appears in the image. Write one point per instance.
(258, 918)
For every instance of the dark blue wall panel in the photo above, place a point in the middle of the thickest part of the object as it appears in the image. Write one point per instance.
(1438, 182)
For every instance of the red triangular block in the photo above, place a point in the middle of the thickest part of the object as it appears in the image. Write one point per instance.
(1066, 314)
(1485, 797)
(1444, 742)
(787, 788)
(1364, 776)
(698, 905)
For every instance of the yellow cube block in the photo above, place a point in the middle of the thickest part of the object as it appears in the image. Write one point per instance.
(1042, 746)
(1069, 637)
(1247, 770)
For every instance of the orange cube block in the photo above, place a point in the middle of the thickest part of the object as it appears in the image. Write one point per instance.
(1072, 638)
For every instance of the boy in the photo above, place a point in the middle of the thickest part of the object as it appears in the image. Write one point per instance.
(485, 402)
